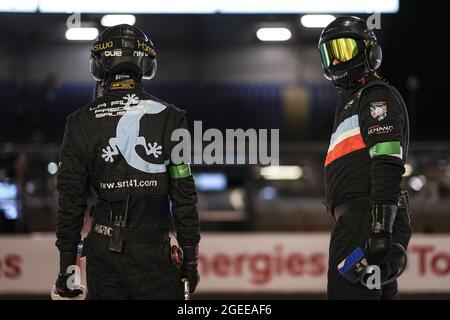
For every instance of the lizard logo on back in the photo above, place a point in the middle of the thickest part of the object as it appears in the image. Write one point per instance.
(127, 136)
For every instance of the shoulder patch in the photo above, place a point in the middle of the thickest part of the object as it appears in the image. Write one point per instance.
(126, 84)
(379, 110)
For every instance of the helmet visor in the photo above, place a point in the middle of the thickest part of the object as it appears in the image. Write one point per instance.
(342, 49)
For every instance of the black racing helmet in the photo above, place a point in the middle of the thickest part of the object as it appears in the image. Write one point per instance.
(123, 48)
(354, 44)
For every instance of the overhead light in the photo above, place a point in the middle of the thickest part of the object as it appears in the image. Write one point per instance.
(111, 20)
(222, 6)
(316, 20)
(19, 6)
(316, 6)
(81, 33)
(273, 34)
(281, 172)
(128, 6)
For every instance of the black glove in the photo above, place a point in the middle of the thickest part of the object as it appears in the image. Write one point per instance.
(380, 238)
(189, 266)
(66, 259)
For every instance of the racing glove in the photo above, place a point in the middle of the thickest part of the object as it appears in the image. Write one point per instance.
(189, 266)
(66, 259)
(380, 239)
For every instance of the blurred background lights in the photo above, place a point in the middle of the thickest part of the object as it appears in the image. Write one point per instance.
(282, 172)
(52, 168)
(111, 20)
(417, 183)
(273, 34)
(316, 20)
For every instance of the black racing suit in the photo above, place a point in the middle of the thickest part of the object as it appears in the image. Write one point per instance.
(364, 167)
(120, 146)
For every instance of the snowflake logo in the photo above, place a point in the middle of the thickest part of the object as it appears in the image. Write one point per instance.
(131, 99)
(108, 154)
(154, 149)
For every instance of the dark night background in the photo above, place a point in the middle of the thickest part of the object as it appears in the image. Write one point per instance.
(200, 70)
(215, 68)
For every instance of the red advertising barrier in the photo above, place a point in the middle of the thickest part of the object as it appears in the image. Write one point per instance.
(241, 262)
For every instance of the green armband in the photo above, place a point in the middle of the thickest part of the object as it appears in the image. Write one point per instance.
(391, 148)
(179, 172)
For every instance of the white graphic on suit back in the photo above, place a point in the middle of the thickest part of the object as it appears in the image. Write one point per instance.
(154, 149)
(127, 136)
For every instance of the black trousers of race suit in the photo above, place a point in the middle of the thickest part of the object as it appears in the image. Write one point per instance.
(351, 231)
(141, 271)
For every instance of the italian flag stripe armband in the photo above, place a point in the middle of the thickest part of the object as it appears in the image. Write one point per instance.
(179, 172)
(391, 148)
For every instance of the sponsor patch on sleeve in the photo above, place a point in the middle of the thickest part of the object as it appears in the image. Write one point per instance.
(377, 130)
(378, 110)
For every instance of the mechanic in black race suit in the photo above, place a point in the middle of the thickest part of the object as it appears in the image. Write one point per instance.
(365, 159)
(120, 147)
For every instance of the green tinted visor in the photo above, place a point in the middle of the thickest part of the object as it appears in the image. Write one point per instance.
(343, 49)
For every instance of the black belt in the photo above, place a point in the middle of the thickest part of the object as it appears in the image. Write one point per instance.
(131, 234)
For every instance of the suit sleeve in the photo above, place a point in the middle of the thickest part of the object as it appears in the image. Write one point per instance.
(183, 196)
(72, 187)
(382, 121)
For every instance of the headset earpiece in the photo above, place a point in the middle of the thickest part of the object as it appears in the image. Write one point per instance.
(97, 70)
(150, 70)
(375, 56)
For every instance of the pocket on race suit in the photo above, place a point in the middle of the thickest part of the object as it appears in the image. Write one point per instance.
(356, 217)
(147, 270)
(96, 250)
(350, 231)
(163, 256)
(154, 256)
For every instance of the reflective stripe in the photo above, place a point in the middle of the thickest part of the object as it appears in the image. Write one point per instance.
(348, 124)
(180, 171)
(345, 135)
(345, 147)
(390, 148)
(346, 139)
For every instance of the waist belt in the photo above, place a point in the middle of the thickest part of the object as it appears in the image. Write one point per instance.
(403, 203)
(131, 234)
